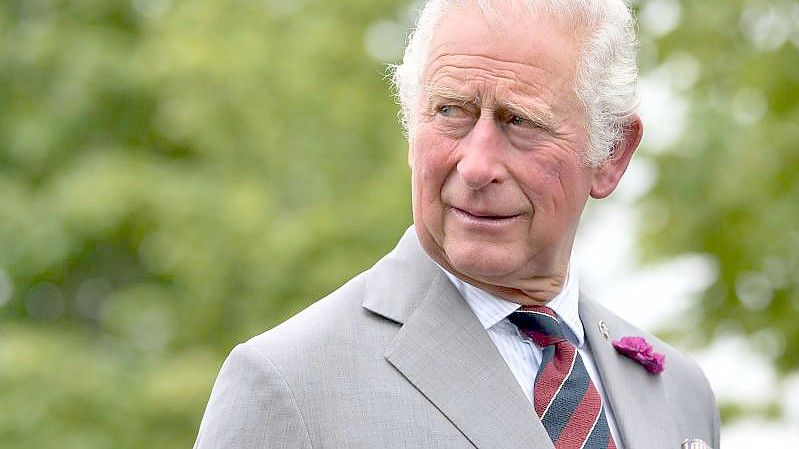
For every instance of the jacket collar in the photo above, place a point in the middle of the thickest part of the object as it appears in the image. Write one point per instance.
(637, 398)
(443, 350)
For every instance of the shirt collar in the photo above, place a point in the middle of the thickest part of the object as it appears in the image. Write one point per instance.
(491, 309)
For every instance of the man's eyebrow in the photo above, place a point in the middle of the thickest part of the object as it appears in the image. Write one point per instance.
(437, 92)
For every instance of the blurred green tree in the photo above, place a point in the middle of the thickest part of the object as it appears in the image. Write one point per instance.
(176, 177)
(728, 180)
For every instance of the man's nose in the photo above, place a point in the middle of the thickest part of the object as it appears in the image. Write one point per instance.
(481, 155)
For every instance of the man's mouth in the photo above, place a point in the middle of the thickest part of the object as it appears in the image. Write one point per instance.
(484, 216)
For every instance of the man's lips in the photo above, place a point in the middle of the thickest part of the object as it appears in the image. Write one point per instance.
(484, 215)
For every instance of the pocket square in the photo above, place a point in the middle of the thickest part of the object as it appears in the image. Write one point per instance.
(694, 443)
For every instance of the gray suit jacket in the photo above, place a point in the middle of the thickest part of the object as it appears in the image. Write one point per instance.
(395, 358)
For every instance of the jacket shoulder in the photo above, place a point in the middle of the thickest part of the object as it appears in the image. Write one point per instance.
(333, 327)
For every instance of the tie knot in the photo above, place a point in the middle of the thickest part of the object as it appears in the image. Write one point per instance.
(539, 323)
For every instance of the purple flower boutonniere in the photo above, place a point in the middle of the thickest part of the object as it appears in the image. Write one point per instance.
(638, 349)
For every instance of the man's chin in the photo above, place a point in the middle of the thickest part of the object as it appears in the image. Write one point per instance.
(487, 262)
(482, 265)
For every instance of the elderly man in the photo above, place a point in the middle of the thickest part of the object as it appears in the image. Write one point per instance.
(472, 331)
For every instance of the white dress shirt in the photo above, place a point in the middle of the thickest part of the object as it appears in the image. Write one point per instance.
(520, 353)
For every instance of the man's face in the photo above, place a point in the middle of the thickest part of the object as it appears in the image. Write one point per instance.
(497, 153)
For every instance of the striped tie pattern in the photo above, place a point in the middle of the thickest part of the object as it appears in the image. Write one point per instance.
(564, 397)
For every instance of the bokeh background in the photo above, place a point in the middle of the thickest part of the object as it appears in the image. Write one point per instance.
(179, 175)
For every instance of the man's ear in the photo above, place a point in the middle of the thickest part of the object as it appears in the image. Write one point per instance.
(608, 174)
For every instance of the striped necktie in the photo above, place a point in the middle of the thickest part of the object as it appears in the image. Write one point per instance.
(563, 396)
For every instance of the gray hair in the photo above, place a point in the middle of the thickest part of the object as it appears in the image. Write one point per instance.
(606, 72)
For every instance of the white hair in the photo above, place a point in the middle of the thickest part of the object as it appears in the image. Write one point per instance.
(606, 72)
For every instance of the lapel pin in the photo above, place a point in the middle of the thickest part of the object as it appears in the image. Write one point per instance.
(603, 328)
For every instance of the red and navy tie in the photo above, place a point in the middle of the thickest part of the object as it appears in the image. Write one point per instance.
(563, 396)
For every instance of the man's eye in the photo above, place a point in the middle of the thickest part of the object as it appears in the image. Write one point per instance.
(449, 110)
(446, 110)
(517, 121)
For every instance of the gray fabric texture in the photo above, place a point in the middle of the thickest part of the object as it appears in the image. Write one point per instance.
(396, 359)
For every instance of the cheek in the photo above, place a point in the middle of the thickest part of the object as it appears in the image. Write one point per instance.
(554, 184)
(539, 177)
(430, 164)
(429, 172)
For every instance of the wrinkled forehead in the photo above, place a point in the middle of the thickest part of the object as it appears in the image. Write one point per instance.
(517, 29)
(498, 41)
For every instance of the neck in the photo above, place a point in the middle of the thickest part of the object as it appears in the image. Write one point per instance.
(535, 292)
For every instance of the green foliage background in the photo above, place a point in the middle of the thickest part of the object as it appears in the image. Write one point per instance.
(177, 176)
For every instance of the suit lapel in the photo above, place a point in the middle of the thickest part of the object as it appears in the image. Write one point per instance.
(443, 350)
(636, 397)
